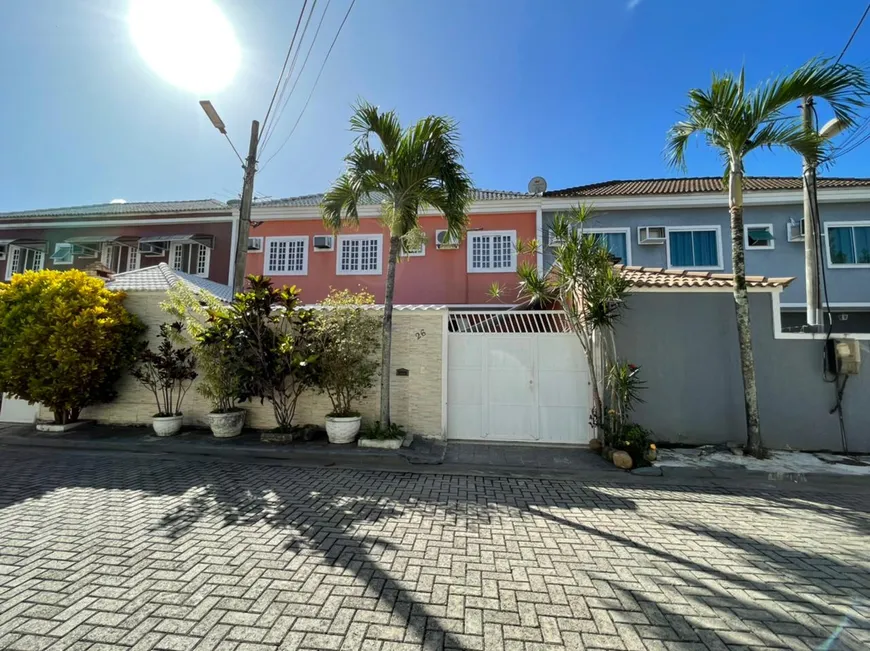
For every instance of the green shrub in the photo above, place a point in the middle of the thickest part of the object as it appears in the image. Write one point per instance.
(168, 373)
(346, 336)
(64, 340)
(272, 337)
(378, 432)
(216, 354)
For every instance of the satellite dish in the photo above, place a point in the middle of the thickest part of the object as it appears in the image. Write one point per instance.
(538, 185)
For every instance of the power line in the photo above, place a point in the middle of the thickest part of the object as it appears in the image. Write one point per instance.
(314, 86)
(854, 31)
(270, 129)
(284, 67)
(301, 70)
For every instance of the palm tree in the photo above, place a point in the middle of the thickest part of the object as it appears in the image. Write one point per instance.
(736, 122)
(409, 169)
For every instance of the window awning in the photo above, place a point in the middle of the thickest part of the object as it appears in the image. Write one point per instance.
(204, 240)
(27, 243)
(760, 234)
(97, 239)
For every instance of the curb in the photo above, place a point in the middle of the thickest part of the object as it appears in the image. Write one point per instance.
(376, 460)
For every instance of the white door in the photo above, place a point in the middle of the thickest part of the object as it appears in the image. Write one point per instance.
(517, 386)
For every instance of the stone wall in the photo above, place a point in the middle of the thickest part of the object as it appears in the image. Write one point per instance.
(416, 400)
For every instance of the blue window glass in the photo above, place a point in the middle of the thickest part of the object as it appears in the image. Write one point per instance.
(849, 244)
(616, 243)
(693, 249)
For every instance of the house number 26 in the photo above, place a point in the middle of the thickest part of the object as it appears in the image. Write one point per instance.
(420, 334)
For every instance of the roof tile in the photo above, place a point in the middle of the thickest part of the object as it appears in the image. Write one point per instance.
(699, 184)
(678, 278)
(313, 200)
(118, 209)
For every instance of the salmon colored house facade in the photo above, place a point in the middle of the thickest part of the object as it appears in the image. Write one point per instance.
(290, 244)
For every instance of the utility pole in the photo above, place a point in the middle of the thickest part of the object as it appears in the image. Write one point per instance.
(245, 211)
(811, 229)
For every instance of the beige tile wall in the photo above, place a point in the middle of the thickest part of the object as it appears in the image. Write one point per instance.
(416, 399)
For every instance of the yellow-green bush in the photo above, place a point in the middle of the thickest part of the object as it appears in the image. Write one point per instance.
(64, 340)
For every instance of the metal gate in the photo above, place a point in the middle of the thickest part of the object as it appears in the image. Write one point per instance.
(516, 376)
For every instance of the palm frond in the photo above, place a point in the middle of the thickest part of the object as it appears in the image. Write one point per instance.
(789, 134)
(339, 205)
(844, 87)
(367, 119)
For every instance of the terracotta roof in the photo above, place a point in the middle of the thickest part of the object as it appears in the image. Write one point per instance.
(680, 279)
(161, 277)
(693, 185)
(313, 200)
(133, 208)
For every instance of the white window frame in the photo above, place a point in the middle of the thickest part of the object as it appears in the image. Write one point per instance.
(473, 235)
(294, 238)
(748, 227)
(262, 245)
(417, 254)
(175, 246)
(72, 255)
(829, 263)
(717, 229)
(22, 251)
(625, 231)
(348, 238)
(133, 253)
(331, 248)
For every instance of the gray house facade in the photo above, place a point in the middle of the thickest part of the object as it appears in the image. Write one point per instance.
(685, 224)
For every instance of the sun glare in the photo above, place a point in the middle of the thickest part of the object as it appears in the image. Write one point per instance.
(189, 43)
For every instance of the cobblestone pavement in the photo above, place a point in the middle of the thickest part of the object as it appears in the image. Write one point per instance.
(101, 552)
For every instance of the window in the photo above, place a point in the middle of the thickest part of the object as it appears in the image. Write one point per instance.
(490, 251)
(63, 253)
(255, 245)
(616, 241)
(848, 244)
(21, 260)
(359, 254)
(695, 248)
(134, 258)
(190, 258)
(758, 236)
(120, 258)
(416, 252)
(286, 256)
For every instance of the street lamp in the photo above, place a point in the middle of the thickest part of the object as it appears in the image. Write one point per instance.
(243, 226)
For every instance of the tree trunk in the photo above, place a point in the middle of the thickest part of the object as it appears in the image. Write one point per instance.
(387, 339)
(754, 445)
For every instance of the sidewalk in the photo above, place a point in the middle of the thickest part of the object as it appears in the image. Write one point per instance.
(422, 457)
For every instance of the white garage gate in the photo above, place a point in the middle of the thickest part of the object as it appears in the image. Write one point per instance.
(516, 376)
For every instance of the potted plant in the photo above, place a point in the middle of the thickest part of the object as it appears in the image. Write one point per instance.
(346, 336)
(168, 374)
(219, 383)
(386, 438)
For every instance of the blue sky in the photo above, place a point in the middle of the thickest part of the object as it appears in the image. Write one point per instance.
(575, 91)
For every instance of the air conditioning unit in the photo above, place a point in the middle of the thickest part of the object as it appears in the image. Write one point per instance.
(552, 240)
(324, 242)
(442, 241)
(255, 244)
(796, 230)
(153, 249)
(651, 235)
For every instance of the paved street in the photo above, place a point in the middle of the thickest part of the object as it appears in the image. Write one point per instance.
(101, 552)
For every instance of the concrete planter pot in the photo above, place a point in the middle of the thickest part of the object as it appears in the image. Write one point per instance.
(227, 425)
(383, 444)
(342, 429)
(166, 425)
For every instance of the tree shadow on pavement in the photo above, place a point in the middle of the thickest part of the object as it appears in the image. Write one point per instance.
(627, 562)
